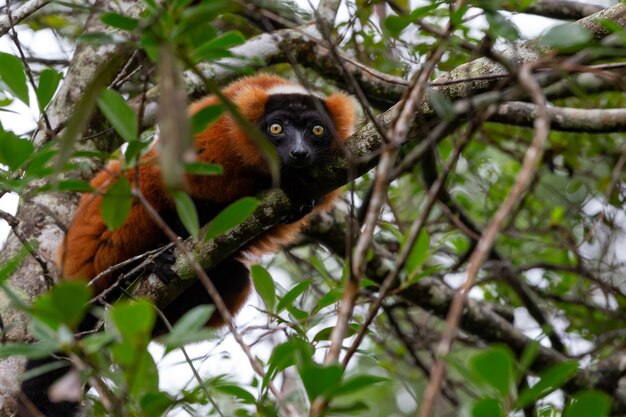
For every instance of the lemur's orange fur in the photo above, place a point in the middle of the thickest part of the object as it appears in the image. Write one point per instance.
(90, 248)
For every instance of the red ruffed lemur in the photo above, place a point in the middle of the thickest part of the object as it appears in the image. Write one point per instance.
(303, 126)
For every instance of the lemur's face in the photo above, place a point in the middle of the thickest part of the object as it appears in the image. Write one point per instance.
(302, 135)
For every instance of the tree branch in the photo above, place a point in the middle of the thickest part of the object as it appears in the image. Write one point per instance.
(561, 9)
(479, 318)
(566, 119)
(42, 229)
(361, 146)
(20, 14)
(308, 49)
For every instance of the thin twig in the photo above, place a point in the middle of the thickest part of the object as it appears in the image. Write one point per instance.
(483, 248)
(27, 69)
(220, 305)
(43, 263)
(21, 13)
(414, 231)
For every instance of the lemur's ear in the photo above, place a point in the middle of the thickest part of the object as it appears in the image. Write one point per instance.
(343, 112)
(251, 103)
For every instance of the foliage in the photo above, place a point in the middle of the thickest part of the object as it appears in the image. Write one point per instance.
(554, 277)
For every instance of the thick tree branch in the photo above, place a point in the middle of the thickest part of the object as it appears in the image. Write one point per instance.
(561, 9)
(308, 49)
(362, 145)
(565, 119)
(382, 90)
(36, 223)
(20, 14)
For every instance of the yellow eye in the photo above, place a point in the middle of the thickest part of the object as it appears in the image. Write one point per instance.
(318, 130)
(275, 129)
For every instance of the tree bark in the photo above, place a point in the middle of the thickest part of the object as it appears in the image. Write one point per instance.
(41, 217)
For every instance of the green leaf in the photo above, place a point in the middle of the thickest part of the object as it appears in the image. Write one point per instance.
(487, 407)
(155, 404)
(13, 76)
(150, 44)
(67, 185)
(566, 36)
(297, 314)
(9, 266)
(528, 356)
(588, 404)
(232, 216)
(121, 116)
(66, 303)
(83, 109)
(187, 212)
(48, 82)
(119, 21)
(442, 105)
(419, 252)
(204, 12)
(14, 151)
(190, 328)
(237, 392)
(29, 350)
(357, 383)
(396, 24)
(96, 342)
(227, 40)
(124, 353)
(284, 355)
(143, 376)
(134, 320)
(116, 204)
(423, 11)
(204, 117)
(218, 47)
(495, 367)
(549, 380)
(355, 408)
(133, 150)
(264, 285)
(5, 101)
(501, 27)
(557, 215)
(329, 298)
(325, 333)
(43, 332)
(96, 38)
(292, 294)
(319, 380)
(203, 168)
(75, 186)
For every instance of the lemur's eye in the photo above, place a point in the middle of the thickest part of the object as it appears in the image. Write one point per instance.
(318, 130)
(276, 129)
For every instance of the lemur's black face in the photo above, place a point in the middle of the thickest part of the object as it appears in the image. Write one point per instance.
(301, 134)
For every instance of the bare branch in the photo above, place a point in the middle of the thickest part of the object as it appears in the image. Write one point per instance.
(480, 254)
(363, 144)
(20, 14)
(14, 223)
(561, 9)
(308, 49)
(566, 119)
(479, 318)
(220, 305)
